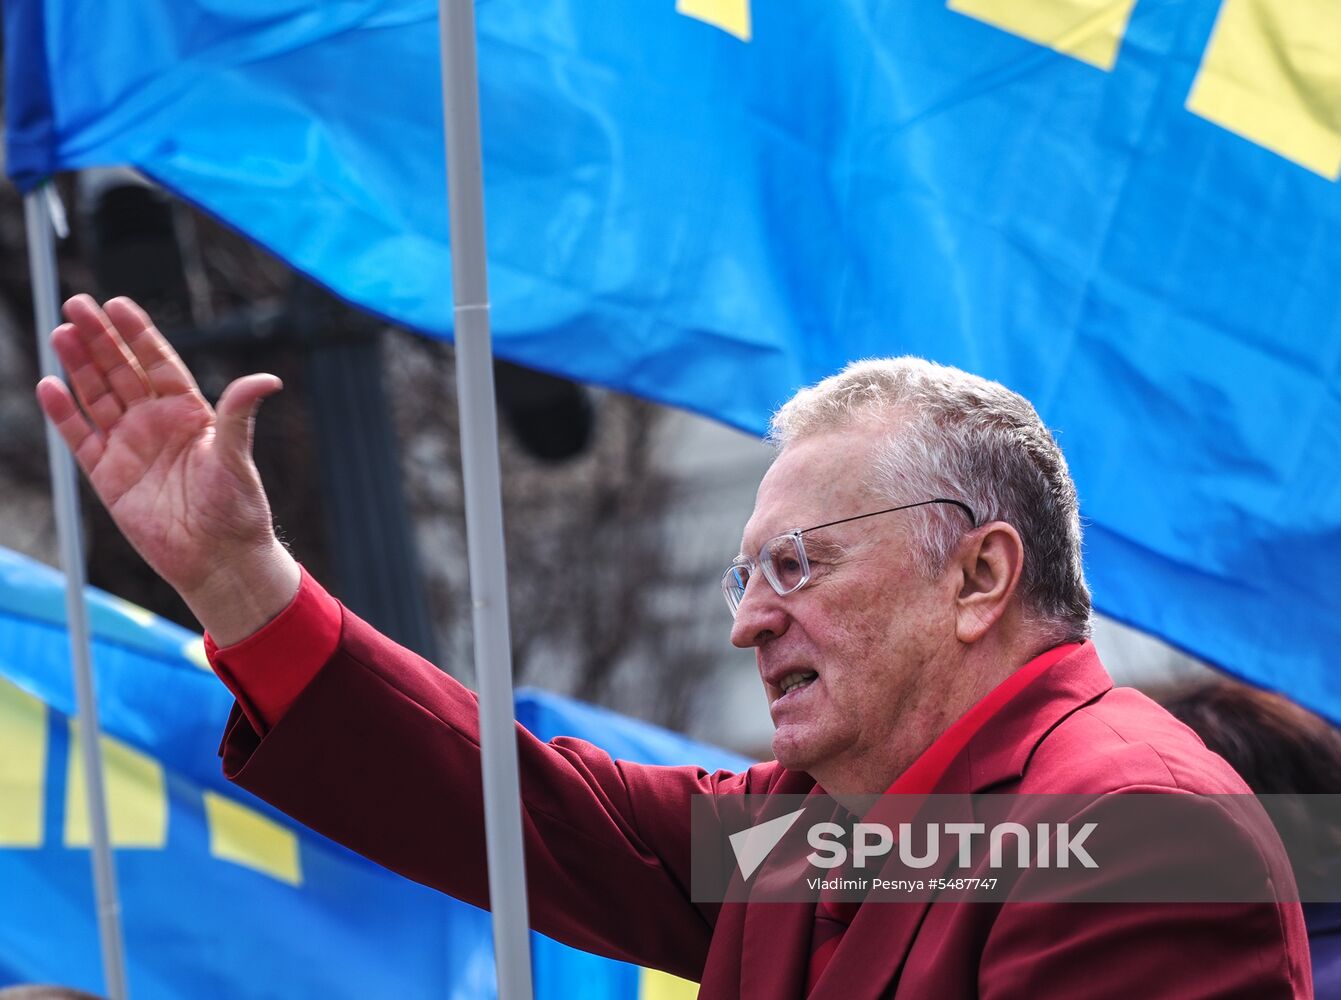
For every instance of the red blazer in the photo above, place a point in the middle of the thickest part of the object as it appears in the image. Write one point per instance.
(381, 753)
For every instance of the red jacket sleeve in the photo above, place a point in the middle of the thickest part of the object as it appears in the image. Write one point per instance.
(380, 752)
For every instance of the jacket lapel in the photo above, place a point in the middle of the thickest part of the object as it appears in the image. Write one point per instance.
(773, 938)
(872, 952)
(776, 952)
(1001, 750)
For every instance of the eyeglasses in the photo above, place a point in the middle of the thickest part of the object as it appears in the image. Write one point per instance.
(783, 557)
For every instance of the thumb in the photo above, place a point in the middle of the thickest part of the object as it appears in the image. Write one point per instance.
(236, 413)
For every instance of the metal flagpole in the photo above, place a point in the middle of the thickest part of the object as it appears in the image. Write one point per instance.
(64, 488)
(484, 505)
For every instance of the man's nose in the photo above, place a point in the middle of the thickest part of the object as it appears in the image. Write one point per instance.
(760, 616)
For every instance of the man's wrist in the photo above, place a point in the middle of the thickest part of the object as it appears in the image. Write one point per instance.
(243, 595)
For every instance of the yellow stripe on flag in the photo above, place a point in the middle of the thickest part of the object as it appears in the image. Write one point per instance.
(1272, 74)
(23, 761)
(1088, 30)
(732, 16)
(137, 801)
(245, 837)
(654, 985)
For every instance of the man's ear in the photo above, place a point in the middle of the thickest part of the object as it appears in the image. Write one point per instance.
(989, 562)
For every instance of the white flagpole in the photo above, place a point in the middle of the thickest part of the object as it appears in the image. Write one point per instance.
(484, 505)
(64, 488)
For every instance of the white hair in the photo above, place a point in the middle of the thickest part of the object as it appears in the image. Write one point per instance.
(965, 438)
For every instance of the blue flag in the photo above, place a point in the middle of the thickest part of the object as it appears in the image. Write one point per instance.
(222, 897)
(1127, 212)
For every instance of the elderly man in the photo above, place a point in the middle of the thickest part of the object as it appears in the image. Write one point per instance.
(911, 582)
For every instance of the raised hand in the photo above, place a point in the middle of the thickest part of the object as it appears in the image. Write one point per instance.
(175, 473)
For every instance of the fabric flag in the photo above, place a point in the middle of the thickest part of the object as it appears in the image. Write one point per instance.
(222, 897)
(1127, 212)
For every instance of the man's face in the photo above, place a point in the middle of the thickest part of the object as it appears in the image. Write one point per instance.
(866, 632)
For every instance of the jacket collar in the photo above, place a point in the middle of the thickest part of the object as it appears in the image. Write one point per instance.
(1001, 750)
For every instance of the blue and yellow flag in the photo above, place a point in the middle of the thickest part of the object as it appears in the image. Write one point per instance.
(1126, 211)
(222, 897)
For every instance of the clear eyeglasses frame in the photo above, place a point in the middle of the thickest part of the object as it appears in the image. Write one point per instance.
(783, 561)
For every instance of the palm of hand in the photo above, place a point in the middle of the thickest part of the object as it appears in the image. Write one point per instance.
(176, 475)
(173, 491)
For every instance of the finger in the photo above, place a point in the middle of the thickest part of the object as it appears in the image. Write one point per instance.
(99, 401)
(236, 412)
(162, 367)
(59, 406)
(108, 350)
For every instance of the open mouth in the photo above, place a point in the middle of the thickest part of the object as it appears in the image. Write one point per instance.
(793, 682)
